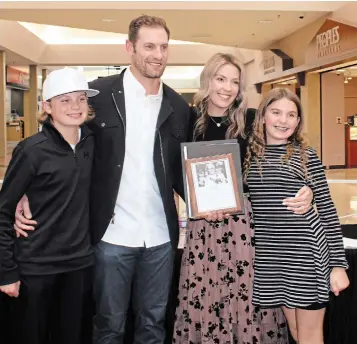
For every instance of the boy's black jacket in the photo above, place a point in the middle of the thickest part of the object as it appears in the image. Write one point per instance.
(56, 181)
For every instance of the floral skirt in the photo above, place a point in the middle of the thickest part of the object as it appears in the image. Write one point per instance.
(216, 287)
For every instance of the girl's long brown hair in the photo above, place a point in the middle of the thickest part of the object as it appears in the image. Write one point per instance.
(257, 141)
(236, 111)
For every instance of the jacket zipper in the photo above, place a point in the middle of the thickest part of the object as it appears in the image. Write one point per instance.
(162, 157)
(74, 151)
(116, 106)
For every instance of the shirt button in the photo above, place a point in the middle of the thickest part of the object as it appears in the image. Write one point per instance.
(119, 166)
(103, 125)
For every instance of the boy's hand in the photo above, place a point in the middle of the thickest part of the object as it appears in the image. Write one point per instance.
(11, 289)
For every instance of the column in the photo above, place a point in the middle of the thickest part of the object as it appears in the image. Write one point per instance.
(3, 143)
(32, 101)
(30, 104)
(332, 117)
(310, 100)
(26, 114)
(44, 75)
(265, 89)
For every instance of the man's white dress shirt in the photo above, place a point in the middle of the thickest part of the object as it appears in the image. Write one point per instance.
(139, 218)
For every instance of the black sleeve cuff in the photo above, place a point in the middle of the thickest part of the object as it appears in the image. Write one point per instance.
(9, 276)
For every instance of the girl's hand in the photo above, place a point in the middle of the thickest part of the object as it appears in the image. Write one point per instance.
(339, 280)
(301, 203)
(11, 289)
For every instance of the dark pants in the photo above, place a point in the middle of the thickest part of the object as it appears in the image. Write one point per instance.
(6, 324)
(50, 308)
(142, 275)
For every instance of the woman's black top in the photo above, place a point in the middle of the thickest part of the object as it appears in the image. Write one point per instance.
(213, 132)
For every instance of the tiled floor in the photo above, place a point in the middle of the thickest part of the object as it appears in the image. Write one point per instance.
(343, 186)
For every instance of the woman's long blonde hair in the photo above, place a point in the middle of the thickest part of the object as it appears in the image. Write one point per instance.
(257, 141)
(236, 111)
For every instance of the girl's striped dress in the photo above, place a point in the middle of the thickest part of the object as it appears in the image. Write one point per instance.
(294, 253)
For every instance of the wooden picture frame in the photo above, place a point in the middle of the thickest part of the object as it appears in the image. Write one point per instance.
(213, 186)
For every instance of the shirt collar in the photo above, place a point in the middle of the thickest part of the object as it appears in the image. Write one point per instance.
(134, 85)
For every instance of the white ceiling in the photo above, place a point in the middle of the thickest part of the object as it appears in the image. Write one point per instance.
(171, 72)
(246, 24)
(51, 34)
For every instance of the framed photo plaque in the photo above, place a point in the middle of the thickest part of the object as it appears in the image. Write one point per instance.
(212, 171)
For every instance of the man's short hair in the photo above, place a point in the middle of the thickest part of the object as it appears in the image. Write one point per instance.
(145, 21)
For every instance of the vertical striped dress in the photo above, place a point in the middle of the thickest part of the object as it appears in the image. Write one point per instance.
(294, 253)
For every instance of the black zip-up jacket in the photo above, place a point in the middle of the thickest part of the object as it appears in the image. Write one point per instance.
(56, 181)
(108, 127)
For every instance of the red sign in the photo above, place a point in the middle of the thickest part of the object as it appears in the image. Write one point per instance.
(15, 76)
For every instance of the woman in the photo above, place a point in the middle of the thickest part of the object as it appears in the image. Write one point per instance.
(216, 284)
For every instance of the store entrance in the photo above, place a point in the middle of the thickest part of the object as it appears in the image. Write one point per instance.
(338, 113)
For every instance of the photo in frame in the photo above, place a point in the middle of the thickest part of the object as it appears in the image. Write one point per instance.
(212, 171)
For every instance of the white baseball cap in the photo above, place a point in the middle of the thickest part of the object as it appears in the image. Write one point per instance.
(65, 80)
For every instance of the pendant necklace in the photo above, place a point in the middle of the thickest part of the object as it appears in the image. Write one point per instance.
(218, 124)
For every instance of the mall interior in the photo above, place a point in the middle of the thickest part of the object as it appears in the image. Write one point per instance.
(309, 47)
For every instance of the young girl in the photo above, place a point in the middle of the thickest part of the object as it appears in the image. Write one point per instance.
(299, 258)
(216, 282)
(49, 271)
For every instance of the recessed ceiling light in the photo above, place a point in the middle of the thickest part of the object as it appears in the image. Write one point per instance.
(265, 22)
(108, 20)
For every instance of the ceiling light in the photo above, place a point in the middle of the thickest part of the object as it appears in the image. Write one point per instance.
(108, 20)
(340, 70)
(346, 81)
(265, 22)
(349, 78)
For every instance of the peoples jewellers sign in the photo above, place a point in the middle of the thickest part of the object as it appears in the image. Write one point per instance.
(332, 39)
(328, 42)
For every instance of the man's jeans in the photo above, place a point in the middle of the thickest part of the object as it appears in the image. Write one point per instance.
(142, 275)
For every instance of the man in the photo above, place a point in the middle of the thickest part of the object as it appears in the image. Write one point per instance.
(138, 126)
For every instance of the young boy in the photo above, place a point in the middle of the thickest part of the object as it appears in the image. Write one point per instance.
(48, 272)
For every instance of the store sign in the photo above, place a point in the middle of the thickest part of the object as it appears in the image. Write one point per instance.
(17, 77)
(275, 61)
(271, 63)
(332, 39)
(328, 42)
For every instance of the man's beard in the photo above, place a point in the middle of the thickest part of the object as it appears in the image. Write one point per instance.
(145, 71)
